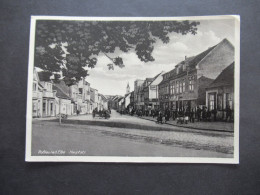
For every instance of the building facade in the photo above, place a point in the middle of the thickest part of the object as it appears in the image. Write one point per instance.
(220, 93)
(48, 97)
(63, 102)
(138, 94)
(36, 96)
(151, 92)
(184, 87)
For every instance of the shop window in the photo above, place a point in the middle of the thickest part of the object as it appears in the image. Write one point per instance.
(219, 102)
(211, 101)
(229, 101)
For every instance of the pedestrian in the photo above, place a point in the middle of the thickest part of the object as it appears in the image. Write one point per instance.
(208, 115)
(93, 113)
(192, 116)
(204, 113)
(198, 114)
(228, 114)
(186, 116)
(214, 112)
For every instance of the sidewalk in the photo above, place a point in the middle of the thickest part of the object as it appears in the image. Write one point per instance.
(212, 126)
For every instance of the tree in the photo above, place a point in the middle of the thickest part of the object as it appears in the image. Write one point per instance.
(71, 46)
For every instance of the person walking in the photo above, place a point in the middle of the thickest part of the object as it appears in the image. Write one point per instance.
(204, 113)
(228, 114)
(192, 116)
(93, 113)
(208, 115)
(198, 114)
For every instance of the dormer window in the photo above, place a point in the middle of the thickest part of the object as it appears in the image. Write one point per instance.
(177, 70)
(184, 67)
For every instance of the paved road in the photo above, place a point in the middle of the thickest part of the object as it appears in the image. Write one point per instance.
(97, 139)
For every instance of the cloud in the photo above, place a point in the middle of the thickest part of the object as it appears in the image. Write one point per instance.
(166, 57)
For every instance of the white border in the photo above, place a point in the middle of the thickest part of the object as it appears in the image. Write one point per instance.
(119, 159)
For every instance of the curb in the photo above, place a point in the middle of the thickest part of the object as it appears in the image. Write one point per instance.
(216, 130)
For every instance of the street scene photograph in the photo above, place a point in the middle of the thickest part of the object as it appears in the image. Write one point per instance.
(133, 89)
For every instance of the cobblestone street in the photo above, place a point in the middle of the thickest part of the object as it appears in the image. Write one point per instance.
(126, 135)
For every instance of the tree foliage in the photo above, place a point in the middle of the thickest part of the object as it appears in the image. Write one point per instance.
(71, 46)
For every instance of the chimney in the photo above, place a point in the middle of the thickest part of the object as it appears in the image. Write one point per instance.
(185, 57)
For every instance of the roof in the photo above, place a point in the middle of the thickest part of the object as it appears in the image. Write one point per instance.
(63, 87)
(60, 93)
(120, 98)
(192, 62)
(149, 79)
(195, 60)
(102, 96)
(92, 89)
(226, 77)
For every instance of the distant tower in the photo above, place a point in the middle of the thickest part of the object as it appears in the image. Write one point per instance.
(127, 88)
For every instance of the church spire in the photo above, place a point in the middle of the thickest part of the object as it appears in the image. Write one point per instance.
(127, 88)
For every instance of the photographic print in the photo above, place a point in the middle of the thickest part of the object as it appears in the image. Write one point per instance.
(134, 89)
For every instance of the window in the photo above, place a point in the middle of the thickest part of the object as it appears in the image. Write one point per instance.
(80, 90)
(219, 102)
(191, 85)
(44, 107)
(34, 87)
(180, 87)
(229, 101)
(177, 70)
(211, 101)
(177, 87)
(173, 88)
(183, 86)
(184, 67)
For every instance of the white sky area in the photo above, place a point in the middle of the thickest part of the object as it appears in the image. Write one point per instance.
(114, 82)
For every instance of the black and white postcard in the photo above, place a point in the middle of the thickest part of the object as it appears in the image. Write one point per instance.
(134, 89)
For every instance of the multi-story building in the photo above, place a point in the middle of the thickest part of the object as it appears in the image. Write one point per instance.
(48, 97)
(151, 99)
(103, 102)
(36, 96)
(138, 94)
(220, 93)
(94, 98)
(185, 86)
(84, 93)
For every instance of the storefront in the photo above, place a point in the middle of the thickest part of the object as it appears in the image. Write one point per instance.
(48, 108)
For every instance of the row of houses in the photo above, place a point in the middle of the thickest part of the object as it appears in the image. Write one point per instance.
(50, 98)
(204, 80)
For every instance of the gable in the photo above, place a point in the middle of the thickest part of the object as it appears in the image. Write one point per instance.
(216, 60)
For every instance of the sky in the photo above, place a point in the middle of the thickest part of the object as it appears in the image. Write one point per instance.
(114, 82)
